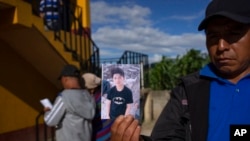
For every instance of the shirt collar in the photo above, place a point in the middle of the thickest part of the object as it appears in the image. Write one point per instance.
(209, 71)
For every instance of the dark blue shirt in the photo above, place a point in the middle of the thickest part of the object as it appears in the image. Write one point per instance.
(119, 101)
(229, 104)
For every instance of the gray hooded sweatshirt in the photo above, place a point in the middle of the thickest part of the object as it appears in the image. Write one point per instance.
(71, 114)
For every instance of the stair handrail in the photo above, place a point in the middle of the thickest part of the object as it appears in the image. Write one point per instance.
(72, 20)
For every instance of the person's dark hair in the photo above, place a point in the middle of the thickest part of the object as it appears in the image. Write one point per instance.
(70, 70)
(117, 71)
(105, 86)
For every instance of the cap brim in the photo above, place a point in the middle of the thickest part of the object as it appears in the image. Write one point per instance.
(232, 16)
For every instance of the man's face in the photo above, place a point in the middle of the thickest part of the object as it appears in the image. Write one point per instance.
(228, 44)
(68, 82)
(118, 79)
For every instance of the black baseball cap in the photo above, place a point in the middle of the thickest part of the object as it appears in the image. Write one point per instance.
(237, 10)
(69, 70)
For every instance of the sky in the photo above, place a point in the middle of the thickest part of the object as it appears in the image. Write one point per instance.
(153, 27)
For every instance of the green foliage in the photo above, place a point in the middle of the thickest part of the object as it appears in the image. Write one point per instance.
(166, 73)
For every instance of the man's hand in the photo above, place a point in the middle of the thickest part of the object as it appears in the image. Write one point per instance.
(125, 128)
(46, 109)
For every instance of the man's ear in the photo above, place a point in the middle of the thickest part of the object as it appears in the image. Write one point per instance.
(64, 79)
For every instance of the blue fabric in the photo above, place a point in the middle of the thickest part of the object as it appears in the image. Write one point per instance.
(101, 127)
(50, 8)
(229, 104)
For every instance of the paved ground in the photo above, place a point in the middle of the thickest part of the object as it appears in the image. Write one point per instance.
(147, 128)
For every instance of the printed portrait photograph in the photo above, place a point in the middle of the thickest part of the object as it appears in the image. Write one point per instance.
(120, 90)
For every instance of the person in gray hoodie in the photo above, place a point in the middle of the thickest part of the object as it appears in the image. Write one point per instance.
(73, 109)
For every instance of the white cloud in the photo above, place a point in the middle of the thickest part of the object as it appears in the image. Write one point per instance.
(147, 40)
(127, 27)
(155, 58)
(187, 17)
(104, 13)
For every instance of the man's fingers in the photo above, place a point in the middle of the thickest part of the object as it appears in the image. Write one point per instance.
(124, 128)
(115, 136)
(132, 132)
(136, 135)
(117, 123)
(125, 124)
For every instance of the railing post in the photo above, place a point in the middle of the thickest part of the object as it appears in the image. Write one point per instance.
(45, 132)
(37, 125)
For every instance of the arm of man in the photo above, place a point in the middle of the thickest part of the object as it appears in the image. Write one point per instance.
(53, 117)
(128, 108)
(108, 103)
(129, 101)
(169, 126)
